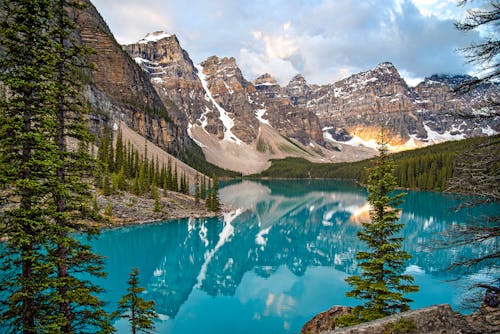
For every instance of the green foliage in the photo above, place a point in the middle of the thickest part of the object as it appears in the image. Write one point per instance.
(382, 283)
(212, 202)
(156, 197)
(108, 211)
(132, 306)
(402, 326)
(428, 168)
(42, 68)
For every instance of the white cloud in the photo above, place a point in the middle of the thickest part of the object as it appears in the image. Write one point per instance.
(258, 64)
(280, 46)
(324, 41)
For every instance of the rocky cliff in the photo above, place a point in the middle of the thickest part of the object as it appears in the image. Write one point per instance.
(354, 109)
(120, 90)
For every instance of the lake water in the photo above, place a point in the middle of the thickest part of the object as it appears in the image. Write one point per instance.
(279, 258)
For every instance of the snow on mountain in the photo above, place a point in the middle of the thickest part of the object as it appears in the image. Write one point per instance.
(223, 116)
(154, 37)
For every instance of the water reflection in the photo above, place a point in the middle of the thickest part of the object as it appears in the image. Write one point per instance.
(273, 225)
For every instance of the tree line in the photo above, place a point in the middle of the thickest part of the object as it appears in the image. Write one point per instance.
(428, 168)
(121, 167)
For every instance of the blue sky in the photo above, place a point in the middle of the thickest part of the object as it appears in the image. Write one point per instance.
(325, 40)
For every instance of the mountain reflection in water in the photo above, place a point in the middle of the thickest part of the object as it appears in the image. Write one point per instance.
(276, 230)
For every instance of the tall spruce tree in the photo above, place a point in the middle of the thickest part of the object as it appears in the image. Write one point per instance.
(26, 158)
(78, 308)
(140, 313)
(41, 66)
(382, 283)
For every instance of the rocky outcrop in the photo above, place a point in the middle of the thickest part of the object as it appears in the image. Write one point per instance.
(230, 90)
(120, 90)
(435, 319)
(290, 119)
(325, 321)
(176, 79)
(431, 112)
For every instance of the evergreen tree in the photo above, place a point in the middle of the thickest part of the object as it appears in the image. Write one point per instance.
(175, 180)
(27, 121)
(382, 283)
(214, 202)
(156, 197)
(203, 188)
(41, 66)
(209, 197)
(140, 313)
(120, 152)
(197, 194)
(77, 306)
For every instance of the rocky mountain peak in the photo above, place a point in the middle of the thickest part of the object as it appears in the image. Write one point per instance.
(155, 37)
(265, 79)
(225, 74)
(451, 80)
(297, 87)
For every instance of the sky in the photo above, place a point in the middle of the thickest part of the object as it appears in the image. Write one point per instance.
(324, 40)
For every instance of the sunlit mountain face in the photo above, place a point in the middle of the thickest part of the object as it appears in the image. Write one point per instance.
(280, 255)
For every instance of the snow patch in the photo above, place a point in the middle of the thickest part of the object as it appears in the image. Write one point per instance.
(436, 137)
(259, 238)
(414, 270)
(489, 131)
(154, 37)
(259, 113)
(357, 141)
(224, 117)
(328, 136)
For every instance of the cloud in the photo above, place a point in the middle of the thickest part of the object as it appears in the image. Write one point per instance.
(325, 40)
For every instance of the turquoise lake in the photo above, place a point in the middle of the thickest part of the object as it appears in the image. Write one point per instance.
(278, 258)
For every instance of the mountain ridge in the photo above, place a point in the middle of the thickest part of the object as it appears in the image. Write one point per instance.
(220, 108)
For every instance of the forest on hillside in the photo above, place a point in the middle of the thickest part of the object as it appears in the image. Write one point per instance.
(427, 168)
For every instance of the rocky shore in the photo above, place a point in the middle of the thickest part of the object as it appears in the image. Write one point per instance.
(128, 209)
(434, 319)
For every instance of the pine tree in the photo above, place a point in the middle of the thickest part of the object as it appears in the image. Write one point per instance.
(140, 313)
(203, 188)
(77, 306)
(214, 203)
(197, 194)
(27, 121)
(382, 283)
(175, 180)
(120, 152)
(40, 67)
(156, 197)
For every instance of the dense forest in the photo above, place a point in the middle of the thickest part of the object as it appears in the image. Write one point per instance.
(427, 168)
(120, 167)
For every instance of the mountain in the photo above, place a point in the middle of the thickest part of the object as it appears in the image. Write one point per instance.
(241, 125)
(354, 109)
(122, 95)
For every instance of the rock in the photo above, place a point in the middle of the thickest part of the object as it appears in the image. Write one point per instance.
(436, 319)
(325, 321)
(120, 90)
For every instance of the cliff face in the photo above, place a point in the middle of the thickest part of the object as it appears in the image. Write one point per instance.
(361, 104)
(122, 91)
(230, 91)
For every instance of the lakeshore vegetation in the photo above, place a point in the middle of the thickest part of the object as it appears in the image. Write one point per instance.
(428, 168)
